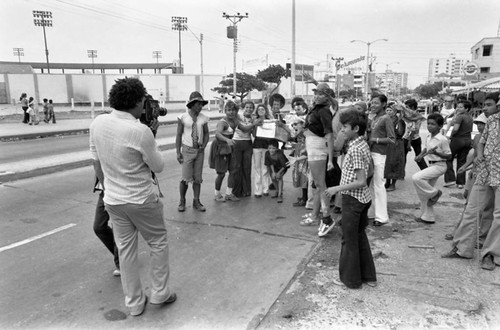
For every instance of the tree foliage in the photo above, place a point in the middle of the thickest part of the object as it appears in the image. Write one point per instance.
(428, 90)
(244, 84)
(272, 75)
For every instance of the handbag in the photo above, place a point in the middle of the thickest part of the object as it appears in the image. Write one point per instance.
(225, 149)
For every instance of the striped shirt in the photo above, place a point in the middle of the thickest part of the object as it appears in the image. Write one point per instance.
(128, 153)
(357, 158)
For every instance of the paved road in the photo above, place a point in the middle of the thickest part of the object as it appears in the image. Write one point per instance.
(64, 280)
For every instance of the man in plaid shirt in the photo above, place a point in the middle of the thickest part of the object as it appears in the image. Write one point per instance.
(356, 264)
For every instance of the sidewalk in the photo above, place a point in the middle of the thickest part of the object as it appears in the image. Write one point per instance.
(50, 164)
(19, 131)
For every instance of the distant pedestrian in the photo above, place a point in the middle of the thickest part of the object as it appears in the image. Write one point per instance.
(45, 110)
(413, 120)
(276, 163)
(52, 114)
(356, 264)
(25, 106)
(437, 152)
(102, 229)
(191, 140)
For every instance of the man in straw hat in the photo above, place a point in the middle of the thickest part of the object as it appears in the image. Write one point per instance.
(191, 140)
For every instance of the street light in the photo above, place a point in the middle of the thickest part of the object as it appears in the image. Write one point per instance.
(179, 24)
(92, 53)
(18, 52)
(337, 67)
(40, 19)
(367, 61)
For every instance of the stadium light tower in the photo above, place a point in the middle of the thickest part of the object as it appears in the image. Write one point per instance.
(179, 24)
(43, 19)
(92, 53)
(18, 52)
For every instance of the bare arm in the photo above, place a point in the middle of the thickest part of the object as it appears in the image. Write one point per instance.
(98, 171)
(359, 182)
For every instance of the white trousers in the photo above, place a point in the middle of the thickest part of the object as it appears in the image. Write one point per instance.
(378, 209)
(261, 177)
(424, 182)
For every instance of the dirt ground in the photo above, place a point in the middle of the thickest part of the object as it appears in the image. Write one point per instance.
(417, 289)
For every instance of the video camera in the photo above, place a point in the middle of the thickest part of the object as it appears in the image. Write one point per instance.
(151, 111)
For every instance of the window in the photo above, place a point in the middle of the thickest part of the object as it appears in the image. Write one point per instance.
(487, 50)
(485, 70)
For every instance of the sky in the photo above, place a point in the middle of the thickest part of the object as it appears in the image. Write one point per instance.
(128, 31)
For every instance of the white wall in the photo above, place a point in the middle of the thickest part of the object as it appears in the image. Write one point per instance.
(52, 87)
(87, 88)
(21, 83)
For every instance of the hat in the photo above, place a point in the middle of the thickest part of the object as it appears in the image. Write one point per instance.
(277, 97)
(325, 89)
(195, 97)
(481, 119)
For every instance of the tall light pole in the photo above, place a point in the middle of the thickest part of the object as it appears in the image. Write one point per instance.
(92, 53)
(292, 66)
(367, 61)
(157, 55)
(18, 52)
(43, 19)
(179, 24)
(232, 33)
(200, 40)
(337, 67)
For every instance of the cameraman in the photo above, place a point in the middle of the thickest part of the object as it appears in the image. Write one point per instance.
(124, 153)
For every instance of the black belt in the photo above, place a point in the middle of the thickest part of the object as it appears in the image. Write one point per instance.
(436, 161)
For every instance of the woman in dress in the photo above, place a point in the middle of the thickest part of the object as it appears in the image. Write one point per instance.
(222, 148)
(395, 160)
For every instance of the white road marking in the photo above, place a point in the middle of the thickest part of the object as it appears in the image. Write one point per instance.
(34, 238)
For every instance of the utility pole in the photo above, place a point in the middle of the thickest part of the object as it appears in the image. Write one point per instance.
(157, 55)
(179, 24)
(232, 33)
(40, 19)
(337, 67)
(292, 66)
(200, 40)
(92, 53)
(18, 52)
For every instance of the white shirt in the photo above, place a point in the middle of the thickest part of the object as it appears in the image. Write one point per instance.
(128, 153)
(187, 121)
(442, 144)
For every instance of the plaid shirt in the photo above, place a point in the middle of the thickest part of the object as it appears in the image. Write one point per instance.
(488, 172)
(357, 157)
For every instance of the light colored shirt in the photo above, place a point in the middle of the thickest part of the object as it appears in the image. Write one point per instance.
(187, 121)
(128, 153)
(442, 144)
(239, 134)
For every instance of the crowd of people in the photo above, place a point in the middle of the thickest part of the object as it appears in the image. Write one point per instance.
(30, 109)
(340, 161)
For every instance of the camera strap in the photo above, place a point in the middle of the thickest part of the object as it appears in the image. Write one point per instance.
(156, 183)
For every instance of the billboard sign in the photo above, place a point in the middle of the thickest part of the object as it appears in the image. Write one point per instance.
(302, 71)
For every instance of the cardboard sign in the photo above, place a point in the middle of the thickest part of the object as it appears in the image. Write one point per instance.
(271, 131)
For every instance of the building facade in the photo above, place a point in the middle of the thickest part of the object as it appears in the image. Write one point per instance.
(486, 54)
(451, 66)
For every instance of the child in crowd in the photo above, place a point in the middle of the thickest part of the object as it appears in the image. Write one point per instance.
(276, 163)
(299, 162)
(356, 264)
(52, 114)
(437, 151)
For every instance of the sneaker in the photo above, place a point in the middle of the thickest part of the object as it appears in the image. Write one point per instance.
(231, 197)
(117, 272)
(433, 200)
(309, 221)
(220, 198)
(307, 215)
(198, 206)
(448, 184)
(280, 199)
(182, 206)
(325, 228)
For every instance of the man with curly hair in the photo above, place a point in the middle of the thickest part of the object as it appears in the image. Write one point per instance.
(124, 154)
